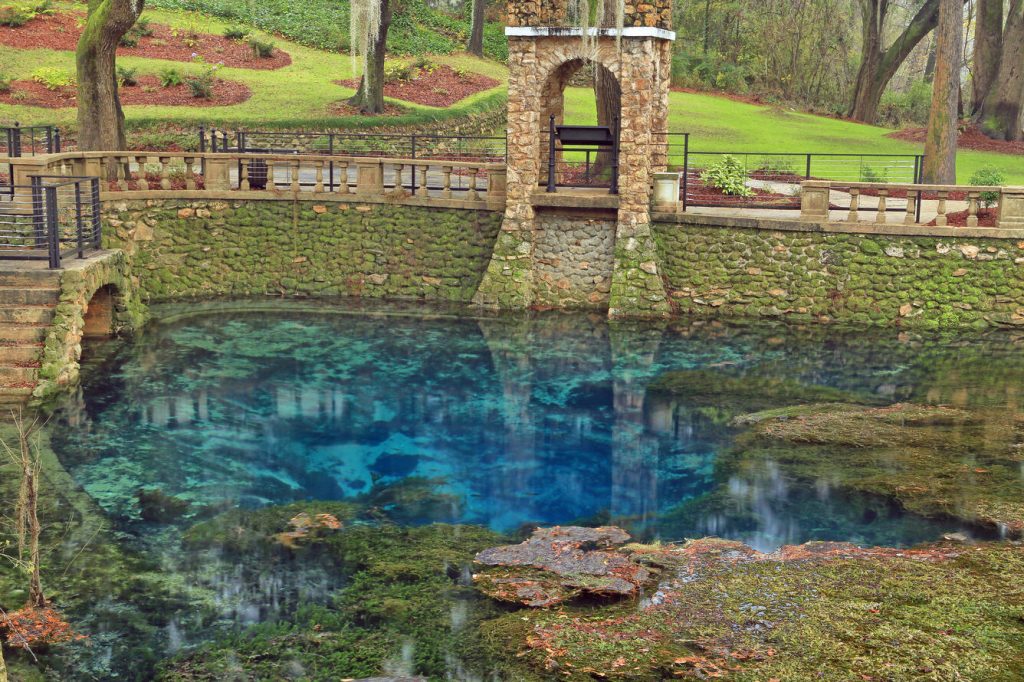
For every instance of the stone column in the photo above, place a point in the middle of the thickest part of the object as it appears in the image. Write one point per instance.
(814, 200)
(1011, 208)
(659, 123)
(637, 288)
(508, 281)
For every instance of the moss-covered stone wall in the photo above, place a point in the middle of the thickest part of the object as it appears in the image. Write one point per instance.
(923, 282)
(200, 249)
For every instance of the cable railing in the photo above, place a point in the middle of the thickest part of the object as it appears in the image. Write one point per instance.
(50, 219)
(17, 141)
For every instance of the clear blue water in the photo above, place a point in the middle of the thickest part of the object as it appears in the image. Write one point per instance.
(424, 416)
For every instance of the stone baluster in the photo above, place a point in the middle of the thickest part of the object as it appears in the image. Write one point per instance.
(295, 176)
(883, 206)
(165, 172)
(243, 178)
(123, 171)
(854, 216)
(190, 175)
(972, 208)
(271, 175)
(399, 178)
(446, 191)
(473, 195)
(343, 177)
(940, 218)
(319, 186)
(422, 189)
(142, 183)
(912, 198)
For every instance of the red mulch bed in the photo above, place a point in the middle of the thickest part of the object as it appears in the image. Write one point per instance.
(987, 217)
(970, 138)
(148, 91)
(705, 195)
(61, 31)
(441, 87)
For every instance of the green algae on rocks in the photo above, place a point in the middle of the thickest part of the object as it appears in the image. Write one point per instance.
(817, 611)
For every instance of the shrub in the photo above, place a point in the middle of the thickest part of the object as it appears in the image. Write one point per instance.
(397, 71)
(140, 30)
(728, 175)
(989, 176)
(127, 76)
(425, 64)
(53, 78)
(869, 174)
(899, 109)
(236, 33)
(5, 84)
(263, 49)
(201, 84)
(709, 71)
(170, 78)
(19, 14)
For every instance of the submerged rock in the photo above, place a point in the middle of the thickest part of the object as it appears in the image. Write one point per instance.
(558, 564)
(156, 506)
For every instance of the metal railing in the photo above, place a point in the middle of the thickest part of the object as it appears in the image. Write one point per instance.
(51, 218)
(17, 141)
(415, 146)
(775, 177)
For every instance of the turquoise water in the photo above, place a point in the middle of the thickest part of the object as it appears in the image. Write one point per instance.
(506, 423)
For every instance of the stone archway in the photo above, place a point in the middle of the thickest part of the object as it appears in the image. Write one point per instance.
(540, 57)
(98, 317)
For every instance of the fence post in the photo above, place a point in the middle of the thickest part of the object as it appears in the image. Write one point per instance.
(686, 169)
(14, 140)
(52, 226)
(413, 157)
(552, 182)
(1011, 208)
(814, 200)
(808, 175)
(96, 215)
(79, 225)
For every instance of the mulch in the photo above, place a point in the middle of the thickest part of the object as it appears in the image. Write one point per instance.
(147, 91)
(706, 195)
(441, 87)
(971, 137)
(60, 31)
(987, 217)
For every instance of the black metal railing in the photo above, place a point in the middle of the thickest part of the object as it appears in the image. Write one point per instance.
(414, 146)
(51, 218)
(17, 141)
(582, 156)
(774, 177)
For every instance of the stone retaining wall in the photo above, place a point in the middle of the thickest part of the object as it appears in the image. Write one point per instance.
(201, 249)
(876, 279)
(574, 259)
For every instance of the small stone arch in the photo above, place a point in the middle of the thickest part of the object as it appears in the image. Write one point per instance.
(98, 315)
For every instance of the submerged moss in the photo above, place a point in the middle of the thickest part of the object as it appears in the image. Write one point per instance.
(820, 612)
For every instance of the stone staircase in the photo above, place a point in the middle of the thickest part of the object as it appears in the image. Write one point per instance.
(28, 298)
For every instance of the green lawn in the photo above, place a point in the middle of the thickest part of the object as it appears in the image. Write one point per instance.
(717, 124)
(299, 95)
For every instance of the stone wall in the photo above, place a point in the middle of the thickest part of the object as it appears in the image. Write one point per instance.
(78, 285)
(574, 260)
(924, 282)
(199, 249)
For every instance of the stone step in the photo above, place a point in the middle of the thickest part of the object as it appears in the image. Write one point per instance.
(19, 375)
(25, 296)
(18, 355)
(14, 394)
(40, 314)
(23, 333)
(45, 279)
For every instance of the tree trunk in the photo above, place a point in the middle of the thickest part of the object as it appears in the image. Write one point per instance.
(3, 666)
(943, 124)
(1000, 113)
(476, 34)
(878, 64)
(28, 516)
(370, 96)
(988, 47)
(100, 118)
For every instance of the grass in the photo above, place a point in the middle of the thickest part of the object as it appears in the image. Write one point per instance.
(297, 96)
(717, 124)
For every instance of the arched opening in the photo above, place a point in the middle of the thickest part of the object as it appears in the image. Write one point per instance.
(579, 165)
(99, 313)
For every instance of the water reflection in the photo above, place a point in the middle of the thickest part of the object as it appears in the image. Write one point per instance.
(514, 421)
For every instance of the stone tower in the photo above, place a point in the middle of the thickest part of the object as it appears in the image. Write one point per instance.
(577, 249)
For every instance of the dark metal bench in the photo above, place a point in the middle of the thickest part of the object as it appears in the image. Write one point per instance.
(583, 139)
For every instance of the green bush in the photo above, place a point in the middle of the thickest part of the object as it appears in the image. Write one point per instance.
(395, 71)
(261, 48)
(869, 174)
(20, 13)
(127, 76)
(728, 175)
(710, 71)
(989, 176)
(5, 84)
(53, 78)
(236, 33)
(140, 30)
(201, 85)
(899, 109)
(170, 78)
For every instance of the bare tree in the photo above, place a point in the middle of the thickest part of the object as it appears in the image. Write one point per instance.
(100, 118)
(1003, 105)
(943, 121)
(476, 33)
(27, 527)
(377, 15)
(879, 63)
